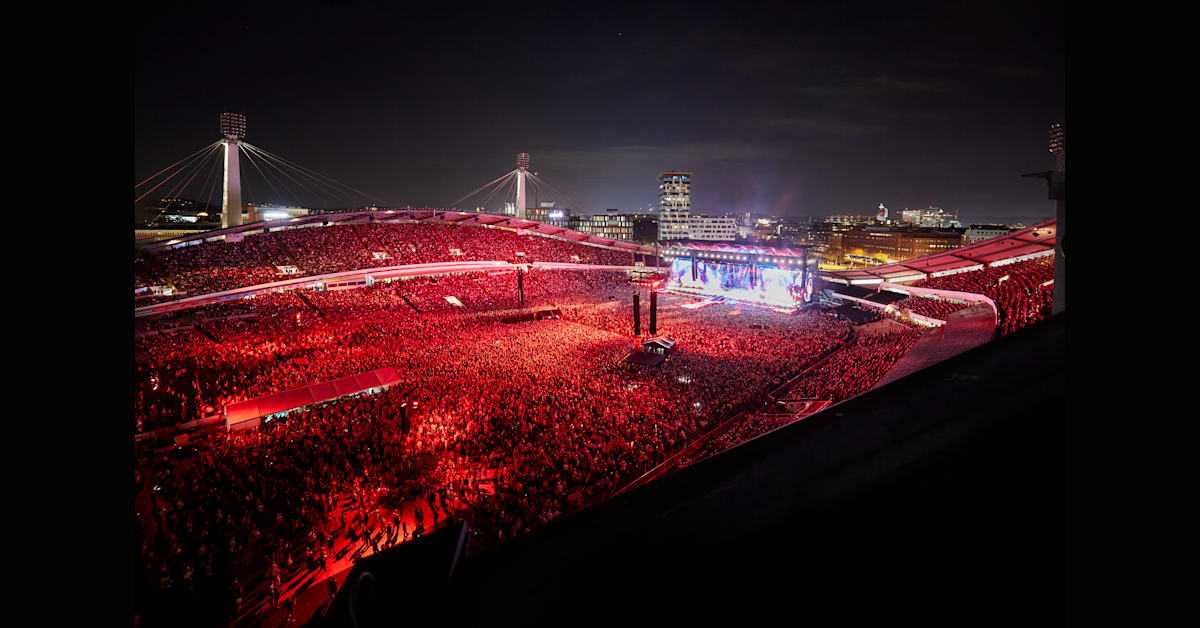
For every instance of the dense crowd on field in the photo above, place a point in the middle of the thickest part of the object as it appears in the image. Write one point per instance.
(856, 367)
(848, 373)
(1023, 291)
(549, 412)
(316, 250)
(189, 364)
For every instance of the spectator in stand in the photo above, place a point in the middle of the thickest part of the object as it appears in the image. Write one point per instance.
(1023, 291)
(319, 249)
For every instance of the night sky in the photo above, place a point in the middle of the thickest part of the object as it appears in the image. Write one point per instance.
(804, 110)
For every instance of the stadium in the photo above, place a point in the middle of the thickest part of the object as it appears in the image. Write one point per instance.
(314, 393)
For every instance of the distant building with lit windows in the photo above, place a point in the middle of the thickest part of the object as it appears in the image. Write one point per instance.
(607, 225)
(712, 228)
(549, 213)
(850, 219)
(896, 244)
(975, 233)
(674, 205)
(934, 217)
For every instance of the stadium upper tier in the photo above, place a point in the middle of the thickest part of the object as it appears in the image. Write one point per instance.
(1028, 243)
(314, 245)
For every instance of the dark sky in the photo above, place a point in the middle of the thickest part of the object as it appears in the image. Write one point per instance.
(803, 109)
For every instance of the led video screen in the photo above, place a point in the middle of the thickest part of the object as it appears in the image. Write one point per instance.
(760, 283)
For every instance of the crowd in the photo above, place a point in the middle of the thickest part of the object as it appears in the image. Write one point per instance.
(548, 411)
(857, 367)
(255, 509)
(744, 429)
(315, 250)
(191, 363)
(933, 308)
(505, 425)
(1021, 291)
(854, 367)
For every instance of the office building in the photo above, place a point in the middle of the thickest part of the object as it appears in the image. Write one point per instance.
(674, 205)
(931, 217)
(607, 225)
(549, 213)
(712, 228)
(975, 233)
(645, 228)
(895, 244)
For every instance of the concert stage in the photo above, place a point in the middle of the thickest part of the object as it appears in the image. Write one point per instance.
(777, 277)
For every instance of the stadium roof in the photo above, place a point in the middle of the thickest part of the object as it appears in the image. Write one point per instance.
(1026, 243)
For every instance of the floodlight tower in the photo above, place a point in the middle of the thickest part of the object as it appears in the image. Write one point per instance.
(522, 168)
(1057, 182)
(233, 128)
(1058, 191)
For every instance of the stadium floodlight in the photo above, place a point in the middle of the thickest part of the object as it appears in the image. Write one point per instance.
(1058, 145)
(233, 125)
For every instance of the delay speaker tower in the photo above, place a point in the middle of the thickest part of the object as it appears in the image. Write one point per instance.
(637, 314)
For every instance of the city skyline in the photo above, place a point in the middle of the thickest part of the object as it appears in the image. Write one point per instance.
(790, 113)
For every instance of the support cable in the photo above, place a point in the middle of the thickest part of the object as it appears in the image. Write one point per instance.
(314, 173)
(335, 196)
(288, 192)
(492, 190)
(504, 196)
(325, 180)
(176, 192)
(210, 183)
(499, 189)
(293, 179)
(478, 189)
(149, 178)
(552, 188)
(160, 183)
(197, 168)
(271, 185)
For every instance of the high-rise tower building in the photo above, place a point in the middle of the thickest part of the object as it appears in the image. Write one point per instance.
(674, 205)
(233, 128)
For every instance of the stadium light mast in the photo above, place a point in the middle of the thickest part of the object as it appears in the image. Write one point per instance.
(1058, 191)
(1056, 180)
(233, 128)
(522, 171)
